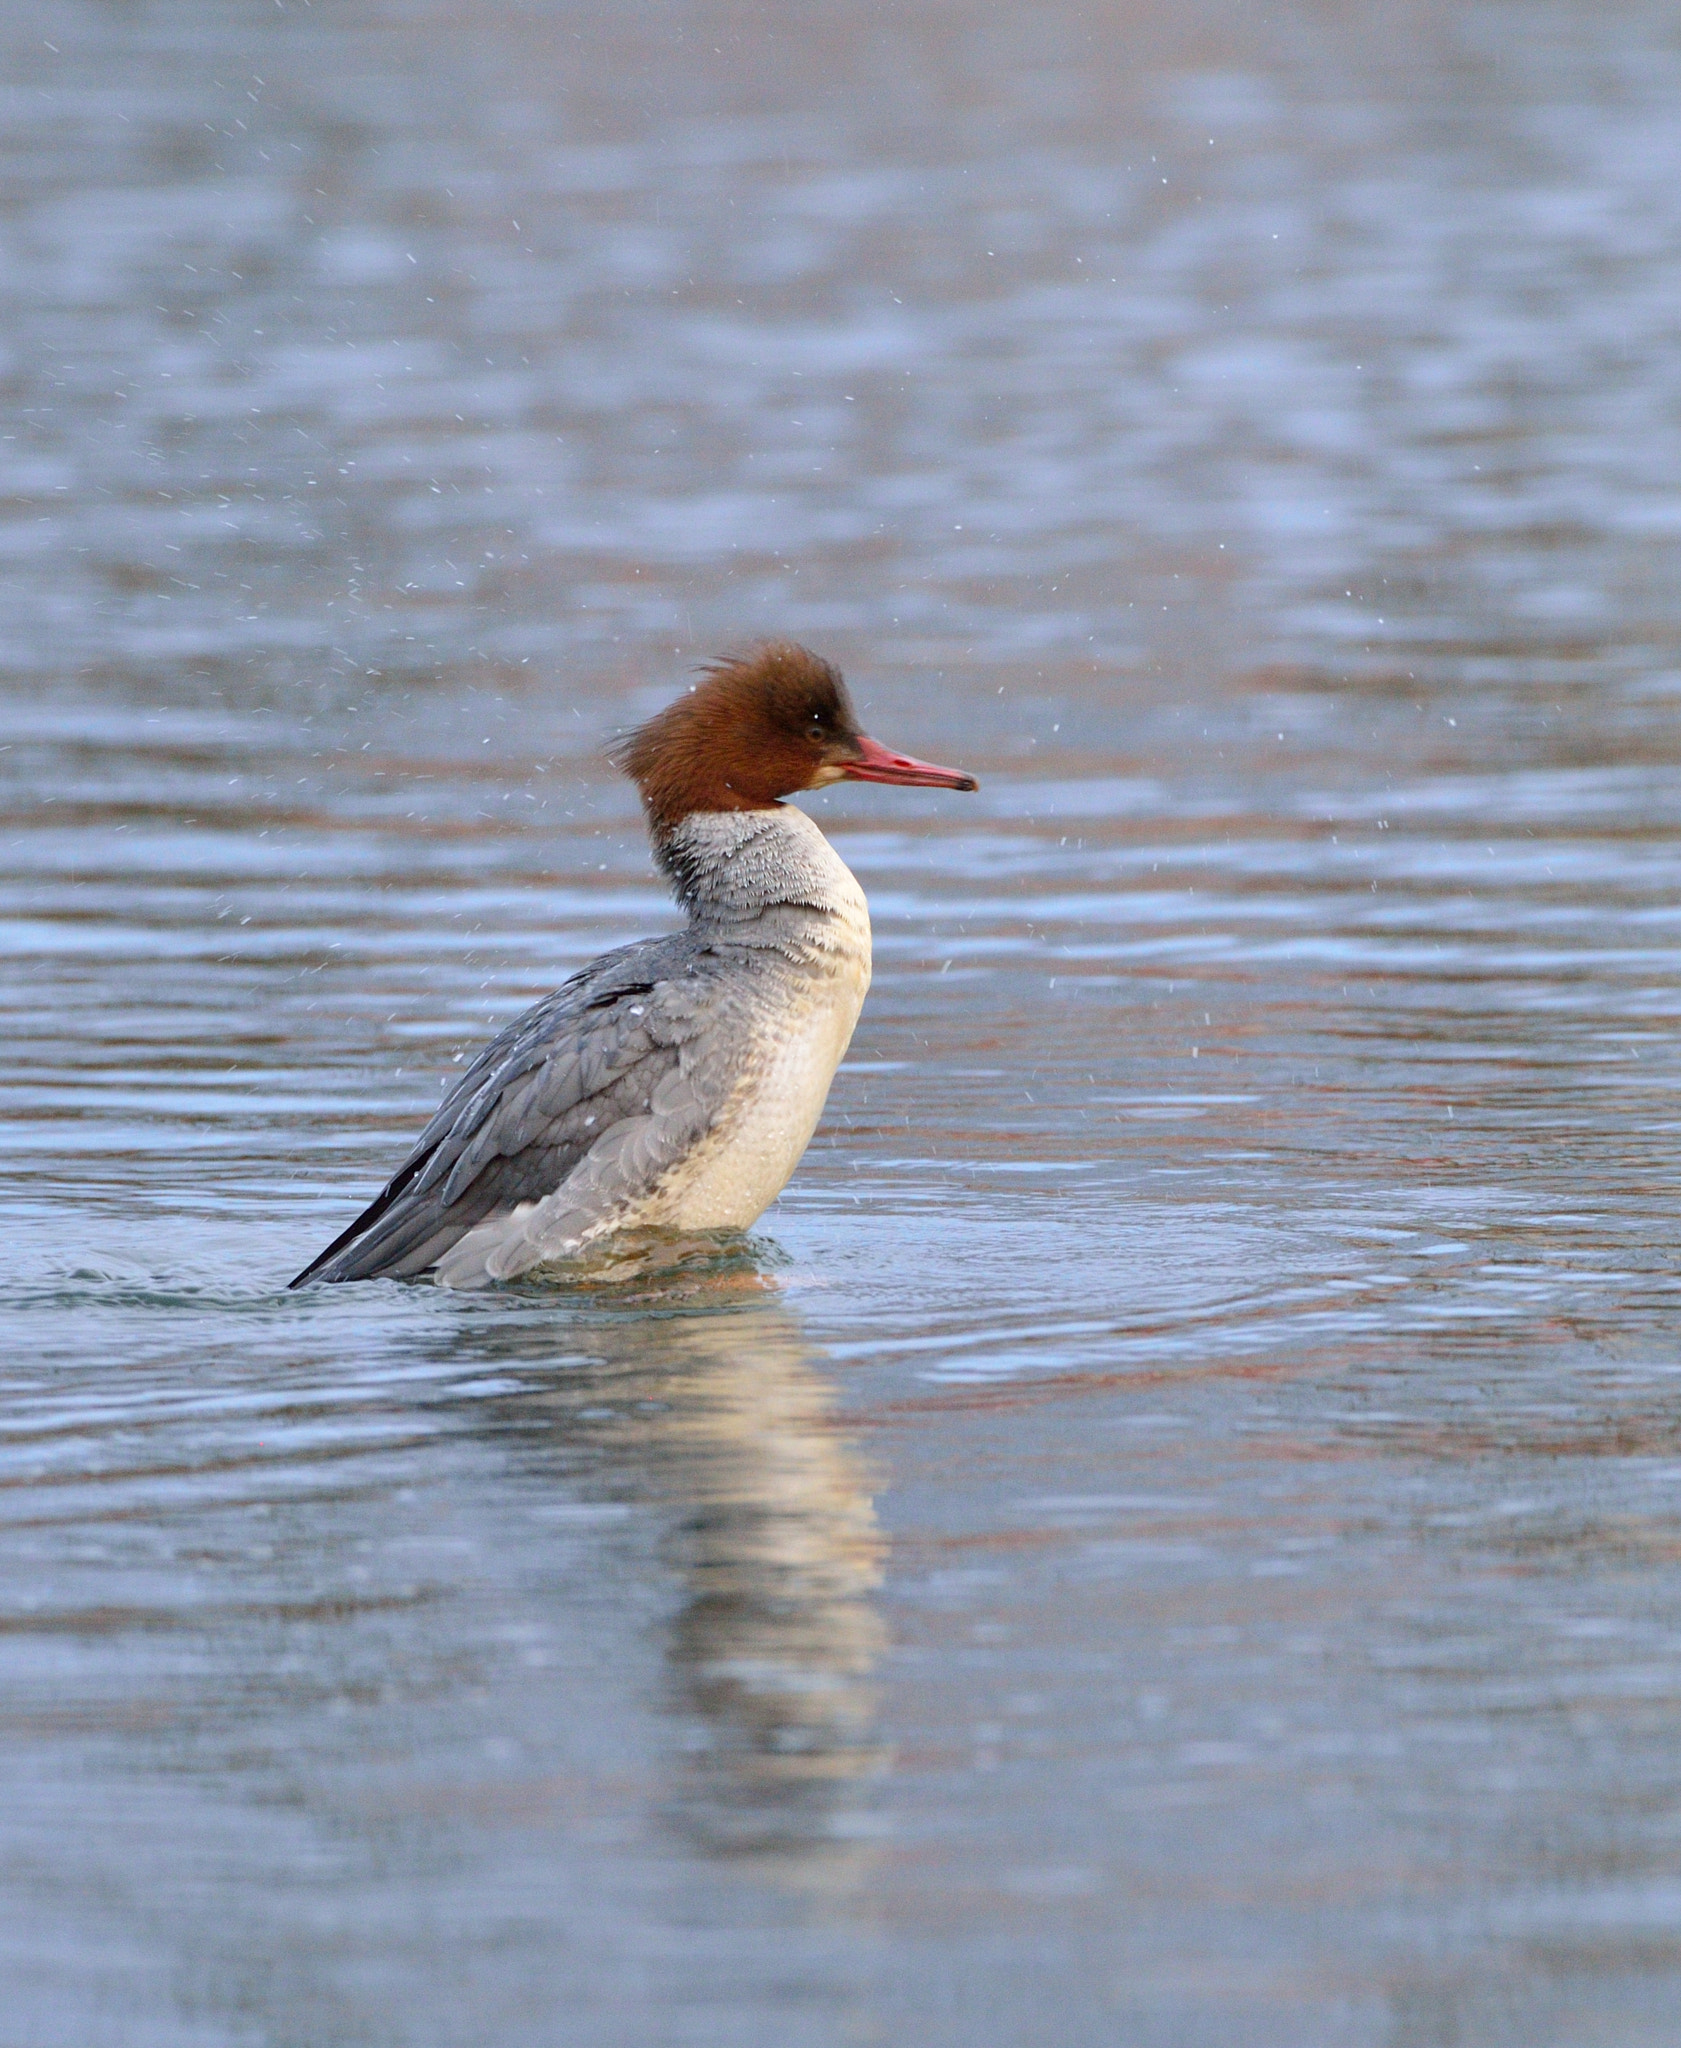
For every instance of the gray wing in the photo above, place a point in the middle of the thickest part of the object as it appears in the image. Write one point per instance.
(608, 1081)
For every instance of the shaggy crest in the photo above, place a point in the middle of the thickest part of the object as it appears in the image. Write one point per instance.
(757, 726)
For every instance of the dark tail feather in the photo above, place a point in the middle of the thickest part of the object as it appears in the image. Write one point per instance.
(396, 1237)
(393, 1190)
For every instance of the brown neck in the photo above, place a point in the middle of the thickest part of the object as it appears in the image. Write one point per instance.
(675, 790)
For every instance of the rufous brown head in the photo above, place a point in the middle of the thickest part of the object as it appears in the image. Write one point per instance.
(758, 727)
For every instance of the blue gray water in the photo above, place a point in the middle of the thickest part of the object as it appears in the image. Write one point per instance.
(1170, 1533)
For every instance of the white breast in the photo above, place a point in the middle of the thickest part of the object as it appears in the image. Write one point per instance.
(803, 1025)
(743, 1163)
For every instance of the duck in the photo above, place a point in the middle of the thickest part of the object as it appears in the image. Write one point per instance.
(672, 1085)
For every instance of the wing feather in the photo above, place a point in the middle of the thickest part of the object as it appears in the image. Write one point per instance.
(601, 1084)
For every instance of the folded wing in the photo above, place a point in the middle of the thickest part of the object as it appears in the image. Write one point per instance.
(581, 1105)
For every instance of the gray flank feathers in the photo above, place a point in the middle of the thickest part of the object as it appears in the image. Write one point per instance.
(597, 1089)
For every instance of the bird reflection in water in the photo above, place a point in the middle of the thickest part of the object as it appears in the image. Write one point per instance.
(691, 1387)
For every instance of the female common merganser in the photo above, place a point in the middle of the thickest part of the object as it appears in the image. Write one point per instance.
(673, 1084)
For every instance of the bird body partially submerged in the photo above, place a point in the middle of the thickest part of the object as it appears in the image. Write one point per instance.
(675, 1083)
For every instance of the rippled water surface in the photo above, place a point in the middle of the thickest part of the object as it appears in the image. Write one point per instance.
(1170, 1533)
